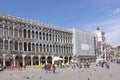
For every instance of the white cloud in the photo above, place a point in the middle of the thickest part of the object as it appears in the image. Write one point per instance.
(116, 11)
(104, 9)
(110, 27)
(113, 35)
(104, 24)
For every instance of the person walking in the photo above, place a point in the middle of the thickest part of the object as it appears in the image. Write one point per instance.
(45, 68)
(54, 68)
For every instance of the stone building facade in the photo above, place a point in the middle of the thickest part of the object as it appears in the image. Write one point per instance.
(101, 46)
(31, 43)
(83, 45)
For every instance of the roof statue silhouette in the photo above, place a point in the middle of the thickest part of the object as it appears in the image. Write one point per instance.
(98, 28)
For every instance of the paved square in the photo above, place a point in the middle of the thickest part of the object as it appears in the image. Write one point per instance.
(92, 73)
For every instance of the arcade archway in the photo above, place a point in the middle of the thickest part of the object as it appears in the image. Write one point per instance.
(9, 60)
(19, 60)
(42, 59)
(27, 60)
(49, 59)
(35, 60)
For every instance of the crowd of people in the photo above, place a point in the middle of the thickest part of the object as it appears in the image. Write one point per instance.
(49, 67)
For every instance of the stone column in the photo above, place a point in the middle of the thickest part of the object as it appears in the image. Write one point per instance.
(45, 36)
(3, 44)
(27, 46)
(4, 59)
(48, 37)
(23, 56)
(18, 32)
(41, 35)
(31, 60)
(52, 59)
(23, 46)
(13, 30)
(63, 60)
(39, 56)
(26, 34)
(45, 48)
(46, 59)
(14, 60)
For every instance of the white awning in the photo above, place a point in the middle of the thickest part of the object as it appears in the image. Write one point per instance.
(57, 58)
(100, 59)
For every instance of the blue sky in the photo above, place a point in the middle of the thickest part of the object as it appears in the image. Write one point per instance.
(83, 14)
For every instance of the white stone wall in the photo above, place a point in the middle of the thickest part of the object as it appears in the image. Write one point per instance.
(83, 43)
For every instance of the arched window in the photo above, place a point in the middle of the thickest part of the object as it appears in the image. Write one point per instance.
(68, 39)
(71, 51)
(64, 39)
(61, 38)
(32, 34)
(6, 45)
(20, 32)
(66, 49)
(11, 31)
(40, 47)
(6, 30)
(37, 35)
(50, 37)
(40, 36)
(47, 48)
(20, 46)
(24, 33)
(37, 47)
(59, 49)
(50, 48)
(56, 38)
(56, 49)
(47, 37)
(11, 45)
(29, 34)
(16, 32)
(43, 36)
(16, 45)
(29, 46)
(62, 49)
(53, 48)
(33, 47)
(53, 37)
(25, 46)
(44, 48)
